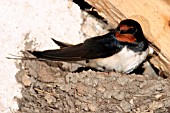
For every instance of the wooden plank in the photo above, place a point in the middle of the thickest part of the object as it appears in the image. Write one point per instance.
(153, 15)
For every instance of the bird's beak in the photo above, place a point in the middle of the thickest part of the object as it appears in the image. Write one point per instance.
(117, 30)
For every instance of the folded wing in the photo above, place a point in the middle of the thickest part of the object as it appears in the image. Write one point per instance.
(97, 47)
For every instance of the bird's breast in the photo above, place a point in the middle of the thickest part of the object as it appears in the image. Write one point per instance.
(124, 61)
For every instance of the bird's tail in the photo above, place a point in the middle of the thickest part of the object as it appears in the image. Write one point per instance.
(72, 53)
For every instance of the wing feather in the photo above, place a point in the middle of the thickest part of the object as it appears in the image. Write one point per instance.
(96, 47)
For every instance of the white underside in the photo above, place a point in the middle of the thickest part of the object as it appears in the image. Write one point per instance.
(125, 61)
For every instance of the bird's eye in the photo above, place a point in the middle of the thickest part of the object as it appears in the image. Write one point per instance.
(132, 31)
(123, 32)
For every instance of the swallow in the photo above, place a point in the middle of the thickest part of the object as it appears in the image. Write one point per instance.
(123, 49)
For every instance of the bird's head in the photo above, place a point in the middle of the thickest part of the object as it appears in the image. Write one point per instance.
(129, 31)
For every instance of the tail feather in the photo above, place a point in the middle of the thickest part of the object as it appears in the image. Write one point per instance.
(65, 54)
(58, 54)
(35, 53)
(61, 44)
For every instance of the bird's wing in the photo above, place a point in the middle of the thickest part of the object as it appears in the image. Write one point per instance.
(96, 47)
